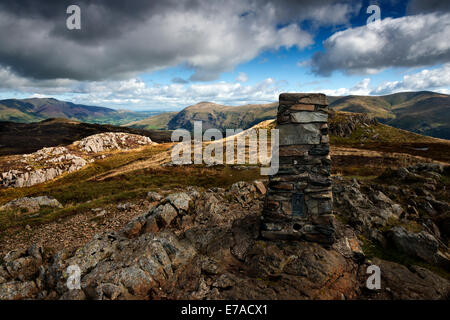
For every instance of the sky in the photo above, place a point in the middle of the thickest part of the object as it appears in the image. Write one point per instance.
(169, 54)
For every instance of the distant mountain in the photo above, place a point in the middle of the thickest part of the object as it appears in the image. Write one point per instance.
(37, 109)
(17, 138)
(423, 112)
(158, 122)
(221, 117)
(212, 115)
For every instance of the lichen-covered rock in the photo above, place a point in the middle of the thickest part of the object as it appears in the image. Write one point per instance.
(154, 196)
(17, 290)
(422, 245)
(112, 141)
(49, 163)
(180, 201)
(364, 210)
(52, 162)
(32, 204)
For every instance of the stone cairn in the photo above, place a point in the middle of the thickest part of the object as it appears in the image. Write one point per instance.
(298, 204)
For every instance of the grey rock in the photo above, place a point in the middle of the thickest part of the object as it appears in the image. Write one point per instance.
(112, 141)
(307, 117)
(154, 196)
(32, 204)
(422, 245)
(179, 200)
(165, 213)
(291, 134)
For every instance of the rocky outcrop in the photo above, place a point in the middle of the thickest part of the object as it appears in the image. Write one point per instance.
(343, 124)
(413, 283)
(49, 163)
(422, 245)
(112, 141)
(364, 208)
(41, 166)
(206, 245)
(31, 204)
(401, 213)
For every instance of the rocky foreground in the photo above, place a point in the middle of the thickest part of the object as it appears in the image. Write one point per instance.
(206, 245)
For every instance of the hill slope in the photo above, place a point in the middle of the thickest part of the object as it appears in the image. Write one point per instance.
(422, 112)
(16, 138)
(37, 109)
(212, 115)
(157, 122)
(222, 117)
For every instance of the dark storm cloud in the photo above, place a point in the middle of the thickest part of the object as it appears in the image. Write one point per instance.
(427, 6)
(120, 38)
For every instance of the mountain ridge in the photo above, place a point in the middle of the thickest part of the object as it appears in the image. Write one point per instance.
(422, 112)
(38, 109)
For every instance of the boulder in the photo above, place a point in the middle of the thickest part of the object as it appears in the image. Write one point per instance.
(154, 196)
(112, 141)
(165, 213)
(179, 201)
(401, 283)
(422, 245)
(32, 204)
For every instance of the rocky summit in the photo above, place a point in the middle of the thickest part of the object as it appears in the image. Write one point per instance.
(356, 196)
(198, 244)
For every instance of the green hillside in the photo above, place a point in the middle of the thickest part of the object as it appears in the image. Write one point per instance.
(156, 122)
(38, 109)
(223, 117)
(423, 112)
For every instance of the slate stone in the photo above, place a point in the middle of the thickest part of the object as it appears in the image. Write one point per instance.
(299, 134)
(307, 117)
(305, 98)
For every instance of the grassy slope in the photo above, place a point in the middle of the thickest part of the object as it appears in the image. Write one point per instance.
(422, 112)
(156, 122)
(391, 139)
(223, 117)
(375, 106)
(32, 110)
(80, 191)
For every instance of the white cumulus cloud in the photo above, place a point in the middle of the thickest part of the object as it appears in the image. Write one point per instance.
(433, 80)
(410, 41)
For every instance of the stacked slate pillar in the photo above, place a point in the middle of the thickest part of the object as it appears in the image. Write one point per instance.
(298, 204)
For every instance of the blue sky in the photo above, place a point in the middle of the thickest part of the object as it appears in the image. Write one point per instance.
(242, 52)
